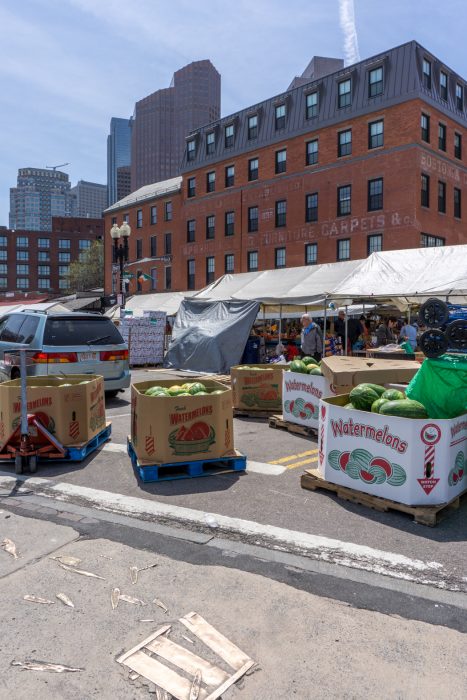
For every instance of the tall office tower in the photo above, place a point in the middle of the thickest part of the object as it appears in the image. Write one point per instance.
(90, 199)
(123, 181)
(163, 120)
(40, 193)
(118, 155)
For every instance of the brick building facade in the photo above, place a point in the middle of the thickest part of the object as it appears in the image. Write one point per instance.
(367, 158)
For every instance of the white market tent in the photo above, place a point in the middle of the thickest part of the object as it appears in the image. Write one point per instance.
(161, 301)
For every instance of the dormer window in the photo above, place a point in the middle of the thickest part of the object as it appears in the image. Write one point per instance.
(229, 136)
(191, 150)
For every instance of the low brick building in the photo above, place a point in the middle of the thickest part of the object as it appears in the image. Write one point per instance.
(367, 158)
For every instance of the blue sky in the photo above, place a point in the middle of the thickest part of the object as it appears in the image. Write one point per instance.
(68, 66)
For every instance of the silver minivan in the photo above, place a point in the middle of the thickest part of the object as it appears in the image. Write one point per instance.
(67, 343)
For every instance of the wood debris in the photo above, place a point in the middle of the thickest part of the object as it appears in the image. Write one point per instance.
(134, 574)
(115, 597)
(65, 600)
(45, 666)
(130, 599)
(80, 571)
(195, 686)
(38, 599)
(10, 547)
(161, 605)
(187, 639)
(67, 559)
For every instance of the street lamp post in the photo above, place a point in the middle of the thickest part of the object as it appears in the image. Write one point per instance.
(120, 251)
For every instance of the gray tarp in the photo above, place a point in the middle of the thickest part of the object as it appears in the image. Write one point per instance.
(210, 336)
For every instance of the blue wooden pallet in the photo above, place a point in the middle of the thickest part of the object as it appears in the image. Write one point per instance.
(76, 453)
(185, 470)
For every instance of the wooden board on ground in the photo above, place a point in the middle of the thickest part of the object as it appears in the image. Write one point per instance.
(281, 424)
(244, 413)
(423, 515)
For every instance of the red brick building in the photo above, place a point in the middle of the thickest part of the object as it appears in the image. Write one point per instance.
(37, 261)
(370, 157)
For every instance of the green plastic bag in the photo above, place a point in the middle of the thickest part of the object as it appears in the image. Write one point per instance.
(441, 386)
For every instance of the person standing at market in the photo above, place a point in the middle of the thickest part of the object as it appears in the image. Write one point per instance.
(409, 333)
(311, 338)
(339, 325)
(385, 333)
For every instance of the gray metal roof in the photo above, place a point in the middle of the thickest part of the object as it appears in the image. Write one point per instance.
(402, 70)
(156, 189)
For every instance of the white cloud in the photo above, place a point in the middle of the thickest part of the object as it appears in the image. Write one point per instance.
(347, 22)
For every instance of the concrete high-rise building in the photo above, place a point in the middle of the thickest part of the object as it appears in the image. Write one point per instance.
(118, 155)
(90, 199)
(39, 195)
(163, 120)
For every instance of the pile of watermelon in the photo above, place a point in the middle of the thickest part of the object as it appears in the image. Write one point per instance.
(387, 402)
(307, 365)
(188, 389)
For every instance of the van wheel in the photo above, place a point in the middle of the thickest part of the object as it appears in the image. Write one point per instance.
(111, 394)
(15, 373)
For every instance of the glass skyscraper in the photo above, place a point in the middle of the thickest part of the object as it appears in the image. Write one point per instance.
(40, 194)
(118, 156)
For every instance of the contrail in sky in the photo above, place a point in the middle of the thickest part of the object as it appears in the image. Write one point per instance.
(347, 22)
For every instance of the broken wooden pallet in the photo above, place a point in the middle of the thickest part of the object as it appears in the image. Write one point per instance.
(423, 515)
(252, 413)
(281, 424)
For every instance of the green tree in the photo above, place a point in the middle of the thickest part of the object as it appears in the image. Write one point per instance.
(87, 272)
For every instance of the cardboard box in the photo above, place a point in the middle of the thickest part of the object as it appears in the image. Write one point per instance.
(411, 461)
(257, 388)
(301, 394)
(350, 371)
(73, 414)
(160, 426)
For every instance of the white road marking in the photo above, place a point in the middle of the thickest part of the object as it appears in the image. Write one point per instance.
(264, 468)
(114, 447)
(118, 415)
(315, 546)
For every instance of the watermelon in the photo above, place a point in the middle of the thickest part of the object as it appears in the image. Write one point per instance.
(376, 387)
(315, 370)
(196, 387)
(349, 405)
(376, 405)
(309, 360)
(404, 408)
(393, 395)
(362, 397)
(298, 366)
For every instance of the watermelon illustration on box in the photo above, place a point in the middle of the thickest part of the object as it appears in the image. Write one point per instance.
(302, 388)
(392, 450)
(257, 387)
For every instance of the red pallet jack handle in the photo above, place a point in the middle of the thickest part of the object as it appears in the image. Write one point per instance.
(37, 442)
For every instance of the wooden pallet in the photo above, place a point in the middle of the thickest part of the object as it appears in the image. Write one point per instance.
(281, 424)
(423, 515)
(252, 413)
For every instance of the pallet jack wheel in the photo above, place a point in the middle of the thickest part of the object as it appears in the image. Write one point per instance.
(434, 312)
(456, 333)
(33, 464)
(433, 343)
(18, 464)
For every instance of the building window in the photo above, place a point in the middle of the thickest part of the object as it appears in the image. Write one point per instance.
(374, 243)
(429, 241)
(22, 269)
(441, 137)
(114, 220)
(190, 230)
(457, 145)
(63, 270)
(84, 244)
(344, 93)
(279, 258)
(427, 74)
(139, 248)
(253, 165)
(376, 134)
(43, 243)
(252, 260)
(459, 97)
(229, 136)
(229, 223)
(280, 114)
(63, 284)
(22, 282)
(281, 213)
(191, 186)
(311, 207)
(312, 105)
(168, 278)
(211, 181)
(311, 254)
(43, 270)
(281, 161)
(3, 269)
(153, 246)
(210, 269)
(210, 143)
(126, 218)
(43, 256)
(22, 255)
(312, 152)
(168, 244)
(153, 215)
(343, 249)
(344, 200)
(210, 226)
(191, 150)
(457, 203)
(4, 255)
(168, 211)
(63, 257)
(44, 283)
(375, 194)
(441, 197)
(425, 190)
(3, 282)
(230, 176)
(22, 242)
(375, 82)
(425, 127)
(252, 127)
(190, 274)
(229, 263)
(153, 278)
(344, 143)
(443, 85)
(252, 219)
(139, 218)
(3, 241)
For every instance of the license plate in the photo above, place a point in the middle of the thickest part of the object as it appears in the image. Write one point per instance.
(88, 356)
